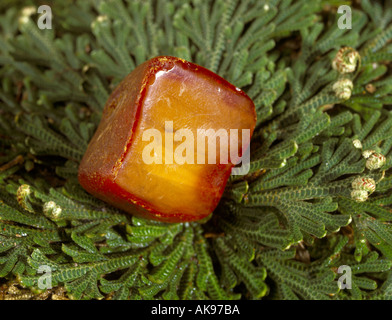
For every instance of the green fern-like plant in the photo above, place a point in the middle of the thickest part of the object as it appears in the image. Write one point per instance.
(279, 232)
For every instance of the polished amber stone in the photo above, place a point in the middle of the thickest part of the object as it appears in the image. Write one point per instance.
(166, 94)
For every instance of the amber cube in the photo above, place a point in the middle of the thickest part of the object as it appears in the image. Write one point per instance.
(142, 158)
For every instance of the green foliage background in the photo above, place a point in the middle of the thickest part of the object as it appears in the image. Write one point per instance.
(280, 232)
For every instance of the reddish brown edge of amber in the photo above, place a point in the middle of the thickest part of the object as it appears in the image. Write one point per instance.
(102, 184)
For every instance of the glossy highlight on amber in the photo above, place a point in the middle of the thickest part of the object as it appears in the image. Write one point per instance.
(160, 90)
